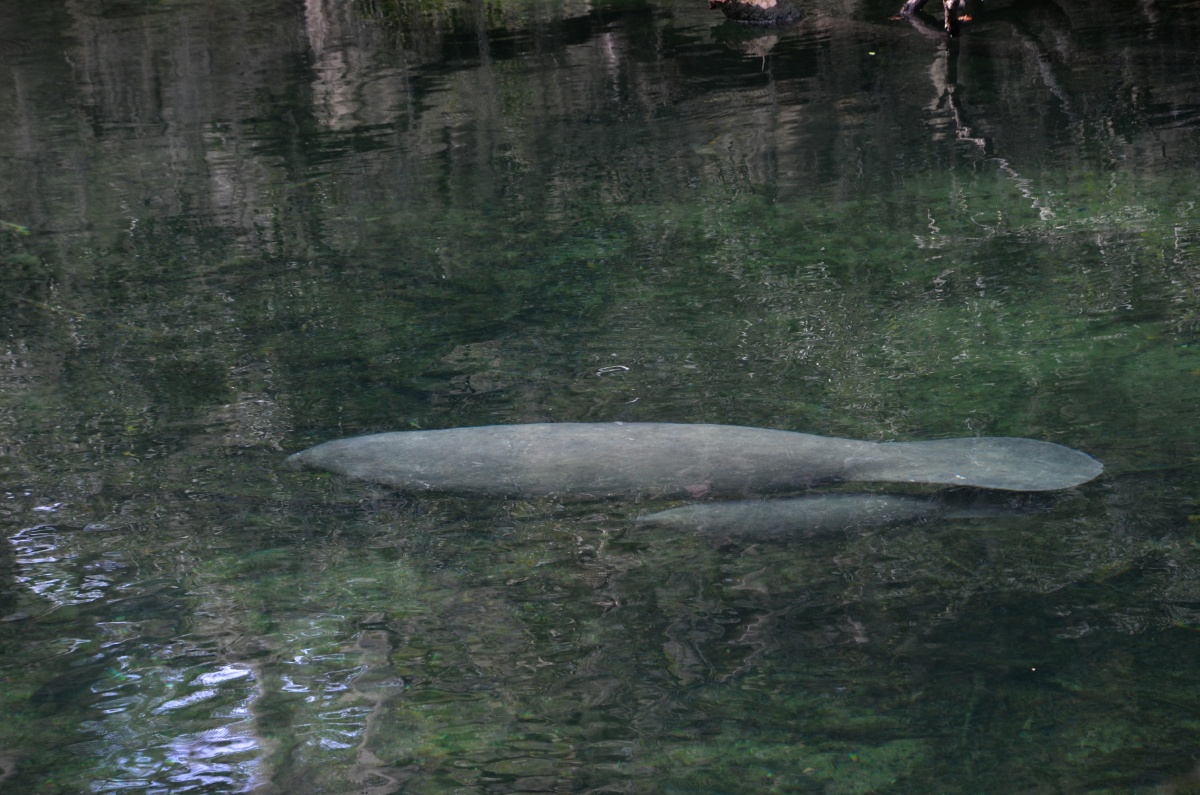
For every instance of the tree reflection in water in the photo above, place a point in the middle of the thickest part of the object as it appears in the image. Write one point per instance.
(254, 226)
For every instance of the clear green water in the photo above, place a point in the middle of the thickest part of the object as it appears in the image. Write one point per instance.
(237, 229)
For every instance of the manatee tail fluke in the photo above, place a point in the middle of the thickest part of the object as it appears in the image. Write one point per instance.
(985, 462)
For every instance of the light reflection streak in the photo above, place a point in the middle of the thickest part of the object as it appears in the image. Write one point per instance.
(165, 721)
(43, 563)
(226, 757)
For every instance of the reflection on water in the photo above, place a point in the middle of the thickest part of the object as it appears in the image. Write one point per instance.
(233, 230)
(61, 582)
(129, 675)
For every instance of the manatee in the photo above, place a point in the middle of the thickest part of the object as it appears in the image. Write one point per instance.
(820, 513)
(596, 460)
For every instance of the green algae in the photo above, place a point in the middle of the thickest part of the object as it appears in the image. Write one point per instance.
(161, 368)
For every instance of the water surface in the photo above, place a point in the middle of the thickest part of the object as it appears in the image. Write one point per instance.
(233, 230)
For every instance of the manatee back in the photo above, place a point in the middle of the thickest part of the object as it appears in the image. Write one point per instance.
(589, 459)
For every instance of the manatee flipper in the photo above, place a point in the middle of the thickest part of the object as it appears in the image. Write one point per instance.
(990, 462)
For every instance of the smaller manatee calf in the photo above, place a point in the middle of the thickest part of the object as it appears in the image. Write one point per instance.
(817, 514)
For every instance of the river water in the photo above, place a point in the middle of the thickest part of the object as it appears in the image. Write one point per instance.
(231, 230)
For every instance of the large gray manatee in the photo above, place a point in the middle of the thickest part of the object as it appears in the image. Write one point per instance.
(674, 460)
